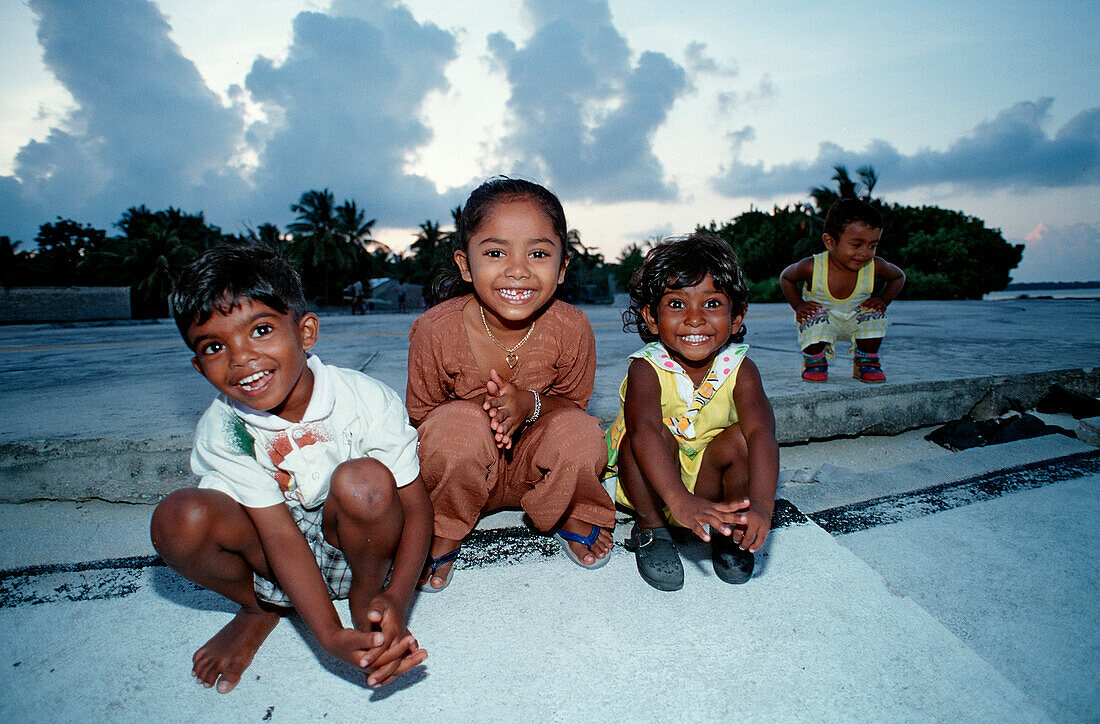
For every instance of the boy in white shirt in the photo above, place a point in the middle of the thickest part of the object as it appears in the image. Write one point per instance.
(309, 482)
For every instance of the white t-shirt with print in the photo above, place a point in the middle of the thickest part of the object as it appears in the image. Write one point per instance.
(260, 459)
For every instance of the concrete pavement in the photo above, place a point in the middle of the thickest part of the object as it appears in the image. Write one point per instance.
(76, 437)
(902, 582)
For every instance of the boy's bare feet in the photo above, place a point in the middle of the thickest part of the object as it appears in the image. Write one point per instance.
(439, 547)
(599, 548)
(223, 658)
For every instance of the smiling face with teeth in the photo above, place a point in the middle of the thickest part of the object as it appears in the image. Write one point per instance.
(257, 356)
(515, 261)
(694, 323)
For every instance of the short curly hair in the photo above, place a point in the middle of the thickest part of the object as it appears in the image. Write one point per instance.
(224, 276)
(683, 261)
(849, 211)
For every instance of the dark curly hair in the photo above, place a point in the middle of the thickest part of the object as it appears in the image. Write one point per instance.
(849, 211)
(225, 275)
(683, 261)
(498, 189)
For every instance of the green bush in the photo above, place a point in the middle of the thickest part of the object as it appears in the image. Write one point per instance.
(766, 290)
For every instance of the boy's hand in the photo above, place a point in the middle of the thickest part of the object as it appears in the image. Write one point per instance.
(757, 525)
(508, 406)
(697, 513)
(397, 651)
(808, 310)
(351, 646)
(874, 303)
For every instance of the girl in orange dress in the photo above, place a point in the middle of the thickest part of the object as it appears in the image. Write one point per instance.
(500, 374)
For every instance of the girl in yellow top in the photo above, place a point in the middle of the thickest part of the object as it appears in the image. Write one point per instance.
(838, 300)
(694, 444)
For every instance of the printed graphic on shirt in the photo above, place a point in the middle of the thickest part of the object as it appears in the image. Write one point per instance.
(865, 314)
(282, 446)
(237, 438)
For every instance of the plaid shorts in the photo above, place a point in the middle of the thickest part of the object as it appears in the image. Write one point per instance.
(334, 567)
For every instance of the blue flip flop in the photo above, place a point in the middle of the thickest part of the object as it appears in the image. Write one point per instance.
(434, 563)
(564, 536)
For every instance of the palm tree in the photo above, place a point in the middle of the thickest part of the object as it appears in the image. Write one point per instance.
(150, 262)
(869, 178)
(431, 251)
(846, 187)
(351, 225)
(9, 260)
(320, 241)
(824, 197)
(269, 235)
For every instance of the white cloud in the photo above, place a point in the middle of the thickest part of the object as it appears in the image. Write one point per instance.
(342, 112)
(1060, 253)
(584, 112)
(347, 106)
(145, 130)
(1010, 151)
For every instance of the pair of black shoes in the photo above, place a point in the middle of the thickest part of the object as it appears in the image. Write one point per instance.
(659, 561)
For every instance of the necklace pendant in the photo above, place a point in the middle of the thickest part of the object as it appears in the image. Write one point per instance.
(512, 360)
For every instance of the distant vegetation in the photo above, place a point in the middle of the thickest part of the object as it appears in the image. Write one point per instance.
(946, 254)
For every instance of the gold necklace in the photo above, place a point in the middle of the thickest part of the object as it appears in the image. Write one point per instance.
(512, 359)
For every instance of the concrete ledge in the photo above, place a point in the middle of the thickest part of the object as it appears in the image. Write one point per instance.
(890, 409)
(144, 471)
(123, 471)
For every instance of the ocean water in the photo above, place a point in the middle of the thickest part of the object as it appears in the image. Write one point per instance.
(1054, 293)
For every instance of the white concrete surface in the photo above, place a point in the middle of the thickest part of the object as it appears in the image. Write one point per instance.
(817, 635)
(980, 613)
(983, 611)
(1030, 564)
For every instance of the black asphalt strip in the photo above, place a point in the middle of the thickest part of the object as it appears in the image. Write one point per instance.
(120, 577)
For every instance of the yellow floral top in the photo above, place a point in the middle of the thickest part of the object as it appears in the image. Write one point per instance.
(694, 415)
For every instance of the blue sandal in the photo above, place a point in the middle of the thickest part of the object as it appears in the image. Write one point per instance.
(434, 563)
(564, 536)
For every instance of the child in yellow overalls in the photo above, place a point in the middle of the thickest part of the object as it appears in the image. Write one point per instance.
(837, 300)
(694, 444)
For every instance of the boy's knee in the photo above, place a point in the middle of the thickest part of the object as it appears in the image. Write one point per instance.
(363, 486)
(183, 522)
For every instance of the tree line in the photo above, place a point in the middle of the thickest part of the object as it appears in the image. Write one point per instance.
(945, 254)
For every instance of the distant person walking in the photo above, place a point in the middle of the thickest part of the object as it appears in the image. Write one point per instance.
(401, 294)
(833, 293)
(354, 293)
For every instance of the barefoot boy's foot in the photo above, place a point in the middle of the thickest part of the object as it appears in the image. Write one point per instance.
(588, 550)
(223, 658)
(440, 565)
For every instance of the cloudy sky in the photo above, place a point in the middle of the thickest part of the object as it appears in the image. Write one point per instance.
(646, 117)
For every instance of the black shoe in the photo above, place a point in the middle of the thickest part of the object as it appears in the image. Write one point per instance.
(658, 561)
(731, 564)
